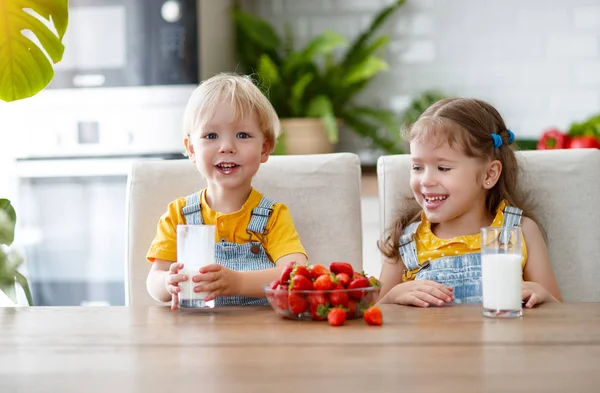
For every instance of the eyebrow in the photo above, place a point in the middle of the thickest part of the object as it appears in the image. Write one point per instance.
(437, 159)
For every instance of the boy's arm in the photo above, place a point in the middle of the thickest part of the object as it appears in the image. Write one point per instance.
(156, 282)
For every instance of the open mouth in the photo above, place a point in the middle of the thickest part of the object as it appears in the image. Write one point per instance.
(433, 202)
(227, 167)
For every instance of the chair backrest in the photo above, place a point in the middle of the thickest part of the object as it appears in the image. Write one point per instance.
(322, 192)
(565, 187)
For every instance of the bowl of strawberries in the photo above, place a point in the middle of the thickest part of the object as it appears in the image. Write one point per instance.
(312, 292)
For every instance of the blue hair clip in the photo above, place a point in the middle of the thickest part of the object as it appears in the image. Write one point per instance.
(511, 136)
(497, 140)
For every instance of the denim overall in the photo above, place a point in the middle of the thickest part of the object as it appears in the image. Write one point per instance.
(240, 257)
(461, 272)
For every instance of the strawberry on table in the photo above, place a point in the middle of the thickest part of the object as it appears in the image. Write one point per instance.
(336, 317)
(373, 316)
(358, 283)
(318, 305)
(281, 297)
(339, 298)
(341, 267)
(351, 308)
(343, 278)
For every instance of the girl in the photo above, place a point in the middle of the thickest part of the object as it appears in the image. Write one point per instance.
(463, 177)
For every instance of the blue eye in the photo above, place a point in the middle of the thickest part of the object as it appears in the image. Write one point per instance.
(242, 135)
(211, 135)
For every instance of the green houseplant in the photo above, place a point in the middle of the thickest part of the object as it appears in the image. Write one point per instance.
(312, 82)
(26, 68)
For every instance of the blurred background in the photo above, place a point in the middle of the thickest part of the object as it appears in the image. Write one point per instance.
(362, 68)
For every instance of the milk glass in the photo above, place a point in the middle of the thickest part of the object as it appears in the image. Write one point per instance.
(195, 249)
(501, 272)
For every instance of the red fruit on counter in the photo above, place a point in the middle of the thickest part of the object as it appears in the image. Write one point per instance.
(358, 283)
(287, 271)
(325, 282)
(301, 270)
(300, 283)
(583, 142)
(344, 279)
(298, 303)
(373, 316)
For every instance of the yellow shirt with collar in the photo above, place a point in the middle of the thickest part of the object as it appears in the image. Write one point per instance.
(431, 247)
(281, 239)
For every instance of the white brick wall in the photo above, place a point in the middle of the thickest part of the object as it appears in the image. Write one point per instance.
(537, 61)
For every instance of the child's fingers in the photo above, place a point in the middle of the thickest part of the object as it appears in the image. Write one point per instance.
(174, 268)
(429, 298)
(437, 293)
(416, 301)
(526, 294)
(174, 301)
(207, 277)
(211, 296)
(174, 279)
(533, 300)
(208, 287)
(445, 289)
(211, 268)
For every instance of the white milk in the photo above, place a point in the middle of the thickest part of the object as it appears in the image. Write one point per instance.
(195, 248)
(501, 277)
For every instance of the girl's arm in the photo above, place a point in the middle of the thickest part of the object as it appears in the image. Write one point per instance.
(391, 275)
(538, 269)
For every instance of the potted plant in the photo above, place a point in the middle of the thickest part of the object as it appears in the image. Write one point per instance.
(26, 70)
(311, 89)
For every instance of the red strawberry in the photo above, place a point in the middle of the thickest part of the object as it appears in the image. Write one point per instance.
(318, 305)
(281, 297)
(300, 283)
(325, 282)
(358, 275)
(275, 284)
(336, 317)
(344, 279)
(287, 270)
(297, 302)
(318, 270)
(339, 298)
(301, 270)
(358, 283)
(352, 308)
(341, 267)
(373, 316)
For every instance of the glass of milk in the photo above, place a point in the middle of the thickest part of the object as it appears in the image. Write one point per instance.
(195, 248)
(501, 272)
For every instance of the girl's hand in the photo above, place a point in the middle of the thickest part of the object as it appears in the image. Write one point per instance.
(422, 293)
(217, 280)
(173, 280)
(533, 293)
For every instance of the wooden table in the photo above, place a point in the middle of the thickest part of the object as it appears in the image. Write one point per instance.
(553, 348)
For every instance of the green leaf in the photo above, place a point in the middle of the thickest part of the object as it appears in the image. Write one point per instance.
(385, 117)
(268, 69)
(321, 45)
(8, 219)
(24, 68)
(365, 70)
(369, 130)
(298, 92)
(25, 285)
(256, 29)
(321, 107)
(419, 104)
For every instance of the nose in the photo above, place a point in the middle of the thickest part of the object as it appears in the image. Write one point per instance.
(227, 146)
(428, 179)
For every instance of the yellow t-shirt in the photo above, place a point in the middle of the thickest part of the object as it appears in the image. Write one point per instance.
(281, 239)
(431, 247)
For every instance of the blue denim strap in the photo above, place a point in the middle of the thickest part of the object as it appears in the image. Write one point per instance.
(260, 216)
(512, 218)
(408, 247)
(192, 209)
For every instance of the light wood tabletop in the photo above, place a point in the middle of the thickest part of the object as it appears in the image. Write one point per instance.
(553, 348)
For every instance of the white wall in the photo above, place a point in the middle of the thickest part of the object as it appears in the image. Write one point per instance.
(537, 61)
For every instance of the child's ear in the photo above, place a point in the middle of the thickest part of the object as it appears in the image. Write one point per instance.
(492, 174)
(266, 150)
(189, 148)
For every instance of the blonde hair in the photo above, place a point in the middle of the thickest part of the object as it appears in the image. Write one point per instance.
(468, 124)
(243, 96)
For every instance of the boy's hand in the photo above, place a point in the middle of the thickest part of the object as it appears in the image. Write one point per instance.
(422, 293)
(217, 280)
(533, 293)
(173, 280)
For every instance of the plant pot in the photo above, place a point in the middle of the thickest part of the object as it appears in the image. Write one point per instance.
(305, 136)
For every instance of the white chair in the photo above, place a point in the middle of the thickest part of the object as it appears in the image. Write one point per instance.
(565, 187)
(322, 192)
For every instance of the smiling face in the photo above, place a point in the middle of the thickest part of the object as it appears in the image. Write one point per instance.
(229, 149)
(446, 183)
